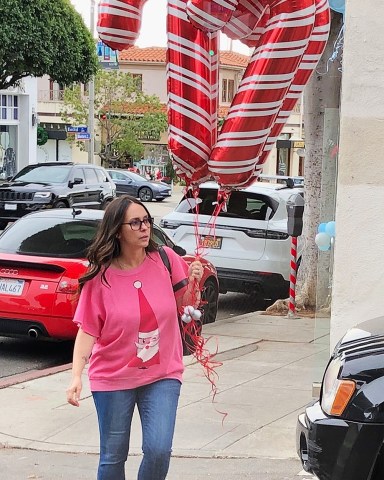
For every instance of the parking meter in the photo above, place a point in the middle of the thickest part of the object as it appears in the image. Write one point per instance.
(295, 210)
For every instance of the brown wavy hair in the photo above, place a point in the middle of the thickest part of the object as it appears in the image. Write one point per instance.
(106, 246)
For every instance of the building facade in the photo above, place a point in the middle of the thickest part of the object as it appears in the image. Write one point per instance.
(18, 127)
(148, 66)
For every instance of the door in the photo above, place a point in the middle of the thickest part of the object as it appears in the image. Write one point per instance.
(93, 188)
(78, 194)
(124, 183)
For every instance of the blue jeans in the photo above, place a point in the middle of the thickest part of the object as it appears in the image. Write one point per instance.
(157, 405)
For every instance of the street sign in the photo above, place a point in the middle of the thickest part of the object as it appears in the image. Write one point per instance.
(83, 136)
(72, 129)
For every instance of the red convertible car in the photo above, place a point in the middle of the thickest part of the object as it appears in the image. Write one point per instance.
(42, 255)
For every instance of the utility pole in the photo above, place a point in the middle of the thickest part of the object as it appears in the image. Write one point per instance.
(91, 96)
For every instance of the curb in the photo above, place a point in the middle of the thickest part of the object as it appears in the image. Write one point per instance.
(32, 375)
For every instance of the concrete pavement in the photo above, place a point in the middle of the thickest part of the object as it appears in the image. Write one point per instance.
(268, 366)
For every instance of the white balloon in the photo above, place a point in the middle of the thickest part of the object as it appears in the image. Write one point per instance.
(196, 314)
(322, 239)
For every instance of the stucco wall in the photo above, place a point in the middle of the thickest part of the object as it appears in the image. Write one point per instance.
(358, 282)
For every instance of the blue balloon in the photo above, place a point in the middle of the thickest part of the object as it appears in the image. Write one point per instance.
(337, 6)
(330, 228)
(324, 248)
(321, 228)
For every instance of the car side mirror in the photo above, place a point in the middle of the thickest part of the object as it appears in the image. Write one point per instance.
(179, 250)
(76, 181)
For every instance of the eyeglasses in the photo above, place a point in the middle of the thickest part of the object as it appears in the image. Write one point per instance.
(137, 224)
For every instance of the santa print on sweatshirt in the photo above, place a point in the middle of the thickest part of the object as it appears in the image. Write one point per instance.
(148, 337)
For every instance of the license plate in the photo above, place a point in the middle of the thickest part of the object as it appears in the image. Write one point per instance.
(9, 286)
(211, 242)
(10, 206)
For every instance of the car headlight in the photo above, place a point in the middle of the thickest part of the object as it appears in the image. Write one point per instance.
(44, 195)
(336, 393)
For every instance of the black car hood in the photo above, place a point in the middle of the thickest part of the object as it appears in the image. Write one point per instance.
(369, 329)
(362, 351)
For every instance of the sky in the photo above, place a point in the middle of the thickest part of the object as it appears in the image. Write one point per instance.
(153, 29)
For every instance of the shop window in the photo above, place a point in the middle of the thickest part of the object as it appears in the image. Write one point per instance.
(283, 161)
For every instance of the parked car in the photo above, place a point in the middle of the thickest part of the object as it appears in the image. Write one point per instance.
(248, 241)
(341, 436)
(54, 185)
(134, 184)
(42, 255)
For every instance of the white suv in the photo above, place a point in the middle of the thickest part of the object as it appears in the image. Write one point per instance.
(248, 243)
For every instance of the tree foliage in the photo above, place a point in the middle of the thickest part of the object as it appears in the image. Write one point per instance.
(124, 114)
(44, 37)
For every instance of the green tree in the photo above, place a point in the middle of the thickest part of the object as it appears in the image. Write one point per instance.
(44, 37)
(124, 114)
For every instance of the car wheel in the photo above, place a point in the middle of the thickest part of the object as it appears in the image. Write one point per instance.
(60, 204)
(210, 294)
(145, 194)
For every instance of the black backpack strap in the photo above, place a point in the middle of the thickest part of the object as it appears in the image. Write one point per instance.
(167, 263)
(165, 259)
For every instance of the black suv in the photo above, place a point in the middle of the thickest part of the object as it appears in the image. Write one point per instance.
(54, 185)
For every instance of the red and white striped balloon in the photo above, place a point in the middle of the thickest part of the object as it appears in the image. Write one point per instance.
(192, 93)
(119, 22)
(289, 37)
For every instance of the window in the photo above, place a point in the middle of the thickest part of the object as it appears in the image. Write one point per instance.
(51, 237)
(90, 176)
(240, 205)
(56, 91)
(9, 107)
(227, 90)
(138, 81)
(231, 90)
(224, 90)
(102, 177)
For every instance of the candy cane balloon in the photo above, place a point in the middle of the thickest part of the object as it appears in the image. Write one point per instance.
(119, 22)
(311, 57)
(289, 37)
(192, 94)
(262, 90)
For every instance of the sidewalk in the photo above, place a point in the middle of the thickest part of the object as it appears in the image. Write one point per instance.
(269, 364)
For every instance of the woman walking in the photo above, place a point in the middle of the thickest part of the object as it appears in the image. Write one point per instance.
(128, 331)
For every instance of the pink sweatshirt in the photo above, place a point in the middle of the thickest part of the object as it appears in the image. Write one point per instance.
(135, 324)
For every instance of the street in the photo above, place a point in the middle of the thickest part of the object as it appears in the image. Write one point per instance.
(18, 464)
(22, 355)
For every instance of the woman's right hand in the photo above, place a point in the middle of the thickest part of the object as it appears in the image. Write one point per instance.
(74, 391)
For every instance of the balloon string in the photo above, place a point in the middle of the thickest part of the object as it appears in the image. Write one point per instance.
(197, 345)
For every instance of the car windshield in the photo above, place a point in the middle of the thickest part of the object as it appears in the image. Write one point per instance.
(49, 237)
(44, 174)
(241, 204)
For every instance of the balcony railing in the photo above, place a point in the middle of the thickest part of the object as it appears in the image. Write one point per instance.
(50, 95)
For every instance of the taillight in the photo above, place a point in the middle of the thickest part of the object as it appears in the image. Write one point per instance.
(67, 287)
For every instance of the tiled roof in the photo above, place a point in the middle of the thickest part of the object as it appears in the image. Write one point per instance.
(158, 55)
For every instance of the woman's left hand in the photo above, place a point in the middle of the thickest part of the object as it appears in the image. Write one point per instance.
(195, 270)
